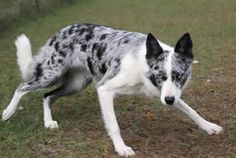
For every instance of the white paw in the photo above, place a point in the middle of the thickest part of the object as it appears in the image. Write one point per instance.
(7, 113)
(124, 150)
(211, 128)
(51, 124)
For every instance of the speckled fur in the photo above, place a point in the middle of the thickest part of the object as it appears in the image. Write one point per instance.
(96, 48)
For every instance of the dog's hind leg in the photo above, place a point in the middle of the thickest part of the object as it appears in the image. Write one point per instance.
(23, 89)
(207, 126)
(11, 108)
(36, 83)
(71, 85)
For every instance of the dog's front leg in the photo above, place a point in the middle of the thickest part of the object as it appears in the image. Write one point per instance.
(207, 126)
(107, 107)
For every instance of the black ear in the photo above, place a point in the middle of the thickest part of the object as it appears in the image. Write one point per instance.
(184, 46)
(153, 47)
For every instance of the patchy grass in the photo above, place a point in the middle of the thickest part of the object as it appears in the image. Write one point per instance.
(152, 130)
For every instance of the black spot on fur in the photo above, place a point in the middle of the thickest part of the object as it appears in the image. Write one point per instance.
(153, 80)
(88, 37)
(116, 63)
(89, 31)
(70, 31)
(48, 63)
(60, 60)
(38, 71)
(126, 41)
(83, 47)
(156, 67)
(71, 46)
(52, 40)
(52, 59)
(63, 54)
(56, 46)
(64, 35)
(101, 51)
(103, 69)
(90, 28)
(117, 60)
(82, 31)
(95, 46)
(90, 65)
(103, 37)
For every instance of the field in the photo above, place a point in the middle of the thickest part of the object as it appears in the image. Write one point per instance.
(150, 128)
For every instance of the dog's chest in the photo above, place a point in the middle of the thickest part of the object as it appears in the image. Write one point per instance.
(132, 79)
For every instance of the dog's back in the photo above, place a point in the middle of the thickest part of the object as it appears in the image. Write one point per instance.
(96, 48)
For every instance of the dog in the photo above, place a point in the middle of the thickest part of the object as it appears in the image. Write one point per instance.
(117, 62)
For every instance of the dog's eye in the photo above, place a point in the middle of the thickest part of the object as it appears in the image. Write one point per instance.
(176, 75)
(161, 75)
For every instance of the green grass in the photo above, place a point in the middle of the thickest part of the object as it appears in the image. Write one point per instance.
(166, 134)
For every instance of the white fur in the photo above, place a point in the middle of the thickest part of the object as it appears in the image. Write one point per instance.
(48, 121)
(11, 108)
(207, 126)
(106, 102)
(24, 55)
(131, 79)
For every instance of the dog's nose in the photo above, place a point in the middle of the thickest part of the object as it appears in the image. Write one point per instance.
(170, 100)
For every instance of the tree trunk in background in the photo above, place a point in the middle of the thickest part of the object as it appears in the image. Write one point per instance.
(37, 5)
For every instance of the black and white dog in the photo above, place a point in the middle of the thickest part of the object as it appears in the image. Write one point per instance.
(117, 61)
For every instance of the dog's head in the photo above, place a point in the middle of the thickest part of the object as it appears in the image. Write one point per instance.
(169, 69)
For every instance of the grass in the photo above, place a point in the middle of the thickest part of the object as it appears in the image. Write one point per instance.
(152, 130)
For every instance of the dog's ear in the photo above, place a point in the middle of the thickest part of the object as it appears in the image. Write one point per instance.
(184, 46)
(153, 47)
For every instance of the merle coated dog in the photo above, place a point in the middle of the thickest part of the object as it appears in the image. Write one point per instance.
(117, 62)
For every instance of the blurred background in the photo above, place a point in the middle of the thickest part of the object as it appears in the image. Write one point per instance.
(15, 11)
(150, 128)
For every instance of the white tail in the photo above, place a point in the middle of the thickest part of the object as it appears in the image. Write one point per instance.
(24, 56)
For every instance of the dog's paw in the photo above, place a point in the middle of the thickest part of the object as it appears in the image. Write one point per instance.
(124, 150)
(7, 114)
(51, 124)
(211, 128)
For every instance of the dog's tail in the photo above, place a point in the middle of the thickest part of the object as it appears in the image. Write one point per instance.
(24, 56)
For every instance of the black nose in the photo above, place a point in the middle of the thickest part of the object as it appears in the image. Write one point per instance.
(169, 100)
